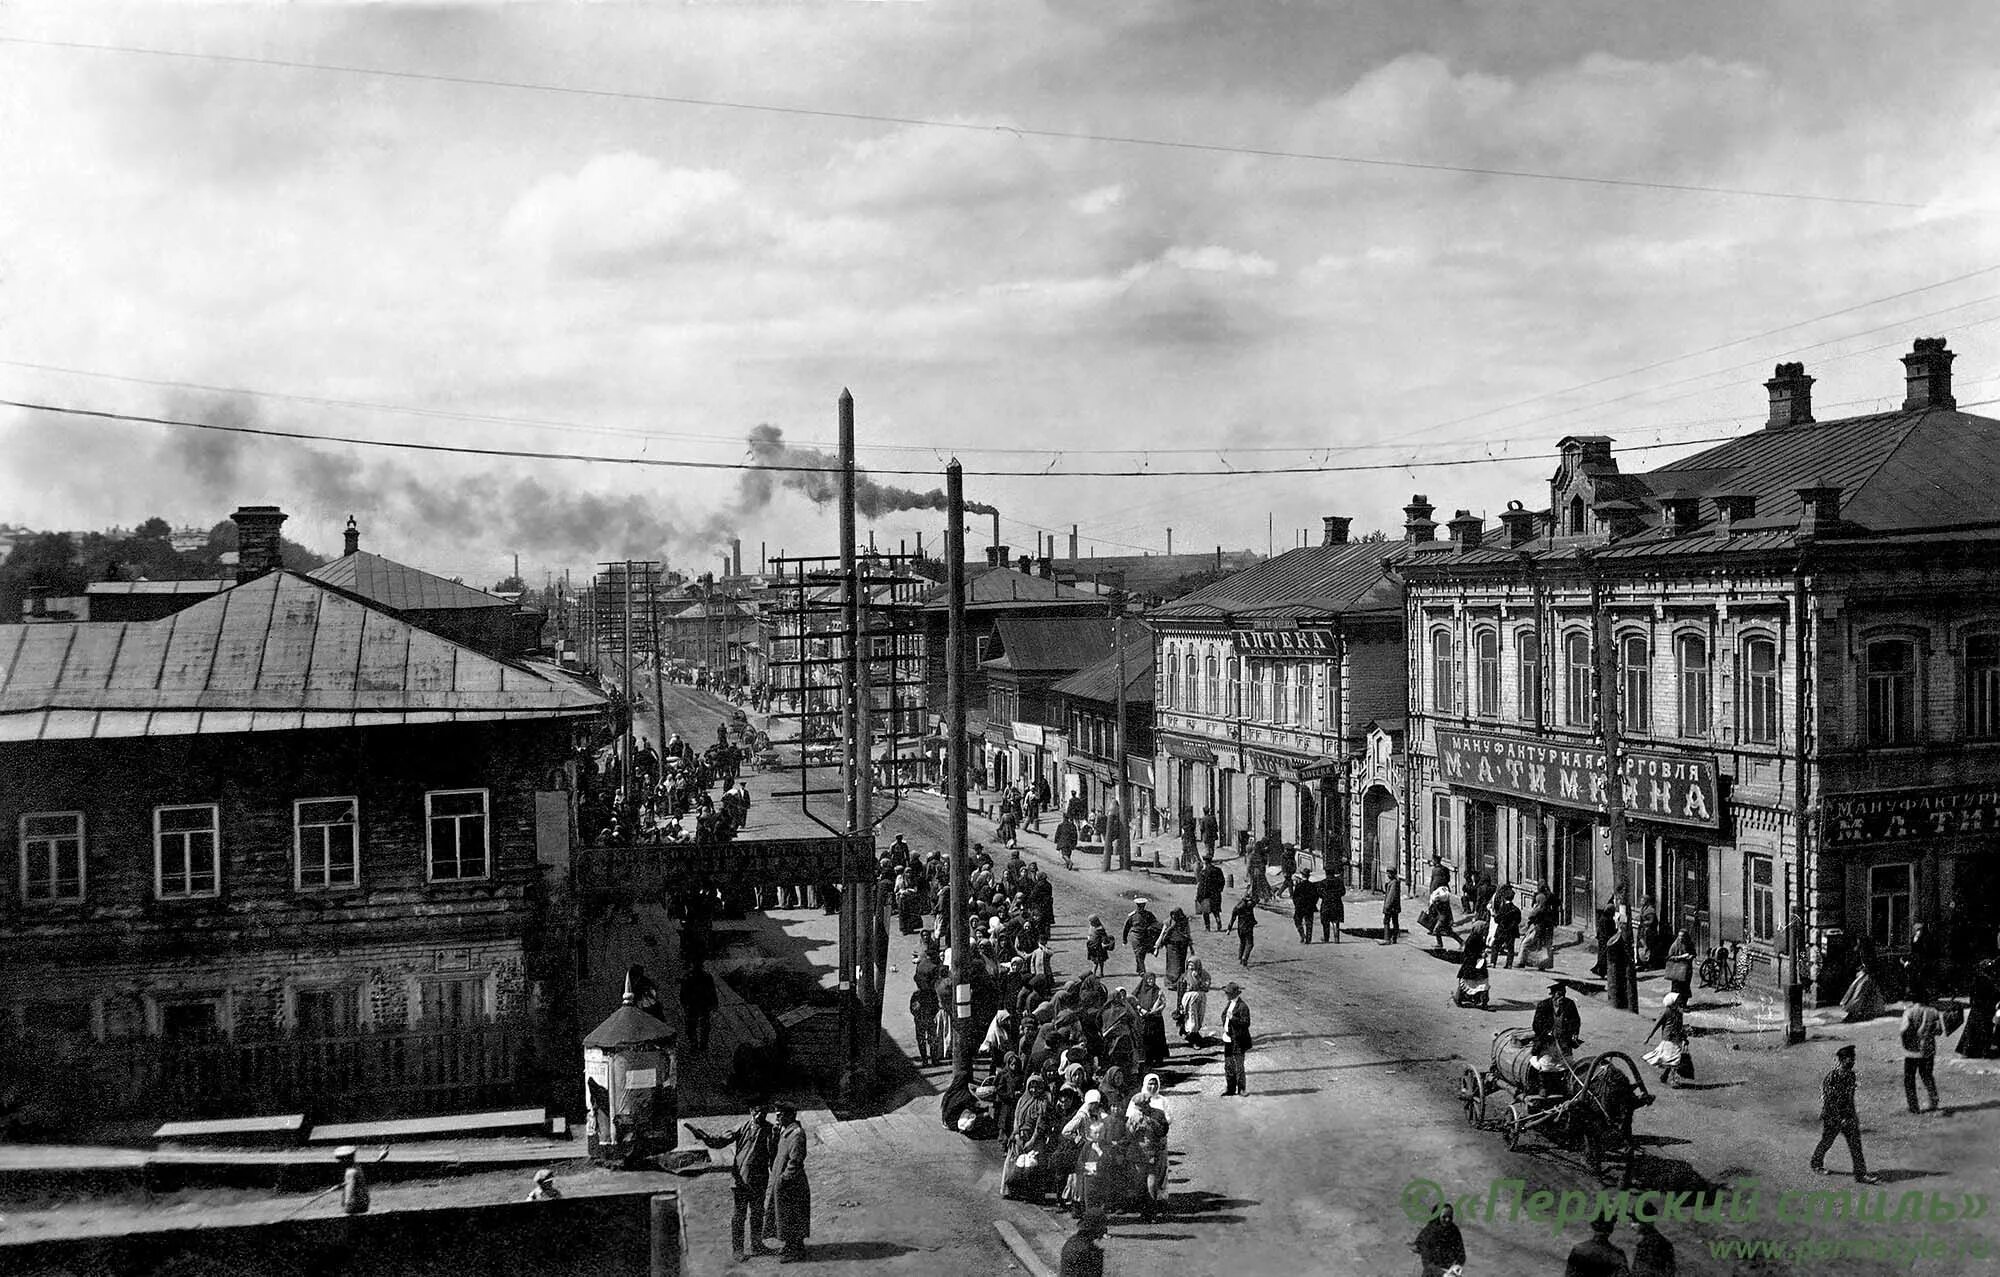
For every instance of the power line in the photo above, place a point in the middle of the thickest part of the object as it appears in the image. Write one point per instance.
(530, 454)
(1061, 135)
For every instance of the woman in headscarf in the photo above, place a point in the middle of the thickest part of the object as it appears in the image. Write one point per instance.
(1176, 940)
(1008, 1083)
(909, 904)
(1194, 999)
(1146, 1125)
(1671, 1057)
(999, 1041)
(1473, 989)
(1152, 1008)
(1680, 965)
(1090, 1131)
(1028, 1141)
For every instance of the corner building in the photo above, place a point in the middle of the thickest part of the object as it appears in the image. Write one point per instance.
(1795, 637)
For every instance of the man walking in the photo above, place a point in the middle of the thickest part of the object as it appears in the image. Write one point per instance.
(1066, 840)
(1243, 921)
(1235, 1039)
(789, 1202)
(1392, 909)
(924, 1008)
(749, 1177)
(1332, 908)
(1209, 832)
(1141, 930)
(1208, 893)
(1923, 1025)
(1595, 1256)
(1838, 1117)
(1305, 903)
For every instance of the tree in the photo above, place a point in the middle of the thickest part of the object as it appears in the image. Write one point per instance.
(154, 529)
(508, 585)
(49, 560)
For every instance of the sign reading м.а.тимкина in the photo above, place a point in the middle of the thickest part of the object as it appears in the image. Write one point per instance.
(1903, 815)
(1670, 788)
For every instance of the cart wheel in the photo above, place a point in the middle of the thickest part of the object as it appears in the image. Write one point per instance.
(1514, 1127)
(1472, 1093)
(1709, 973)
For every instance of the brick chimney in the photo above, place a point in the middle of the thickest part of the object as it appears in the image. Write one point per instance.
(352, 536)
(1465, 529)
(1927, 372)
(1336, 529)
(1045, 567)
(1819, 509)
(1732, 508)
(1519, 522)
(1417, 522)
(1791, 397)
(256, 540)
(996, 555)
(1025, 565)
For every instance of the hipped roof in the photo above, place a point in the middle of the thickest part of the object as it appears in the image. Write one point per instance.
(1050, 644)
(400, 587)
(1311, 580)
(1099, 681)
(283, 652)
(628, 1026)
(993, 587)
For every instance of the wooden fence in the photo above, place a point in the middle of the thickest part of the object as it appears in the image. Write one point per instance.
(366, 1075)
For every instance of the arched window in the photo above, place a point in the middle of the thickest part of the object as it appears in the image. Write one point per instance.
(1486, 663)
(1577, 678)
(1528, 655)
(1982, 687)
(1168, 686)
(1191, 685)
(1254, 690)
(1281, 695)
(1576, 516)
(1691, 658)
(1443, 675)
(1635, 684)
(1214, 688)
(1302, 696)
(1233, 706)
(1892, 689)
(1760, 691)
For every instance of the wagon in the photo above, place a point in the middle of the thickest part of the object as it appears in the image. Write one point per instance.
(1600, 1093)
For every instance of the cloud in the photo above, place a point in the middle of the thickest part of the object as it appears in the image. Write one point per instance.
(1101, 199)
(624, 209)
(1217, 260)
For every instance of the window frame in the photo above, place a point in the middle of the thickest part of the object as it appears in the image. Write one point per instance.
(1758, 687)
(486, 834)
(1760, 899)
(1191, 684)
(1168, 690)
(214, 830)
(1579, 680)
(1686, 693)
(1212, 672)
(1908, 895)
(299, 828)
(1302, 694)
(1444, 671)
(1528, 663)
(1903, 684)
(421, 1005)
(82, 858)
(1486, 672)
(1443, 827)
(1979, 689)
(1635, 685)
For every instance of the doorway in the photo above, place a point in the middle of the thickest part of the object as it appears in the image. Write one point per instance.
(1482, 839)
(1572, 869)
(1309, 839)
(1380, 819)
(1274, 809)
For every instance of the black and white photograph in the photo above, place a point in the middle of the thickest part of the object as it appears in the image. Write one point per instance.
(951, 637)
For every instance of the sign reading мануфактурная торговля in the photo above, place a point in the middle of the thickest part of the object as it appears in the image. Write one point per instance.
(1671, 788)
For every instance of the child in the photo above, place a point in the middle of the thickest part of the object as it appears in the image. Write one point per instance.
(1097, 945)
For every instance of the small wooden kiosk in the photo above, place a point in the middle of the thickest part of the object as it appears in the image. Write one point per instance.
(630, 1087)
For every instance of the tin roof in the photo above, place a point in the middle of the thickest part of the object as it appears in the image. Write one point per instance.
(284, 652)
(400, 587)
(1099, 680)
(1313, 580)
(1047, 644)
(991, 587)
(157, 587)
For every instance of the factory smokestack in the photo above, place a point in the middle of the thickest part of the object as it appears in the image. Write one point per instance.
(1072, 540)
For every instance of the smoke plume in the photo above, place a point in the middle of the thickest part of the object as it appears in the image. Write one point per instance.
(821, 486)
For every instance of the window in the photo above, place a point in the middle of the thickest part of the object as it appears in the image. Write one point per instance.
(1528, 654)
(1441, 844)
(1889, 906)
(186, 852)
(326, 1013)
(1234, 705)
(1576, 516)
(65, 1023)
(1256, 689)
(1281, 694)
(1170, 685)
(1892, 678)
(1760, 691)
(1577, 679)
(1442, 673)
(459, 1000)
(52, 856)
(1691, 655)
(458, 846)
(1635, 685)
(1982, 687)
(1191, 686)
(1214, 688)
(1762, 911)
(1302, 696)
(191, 1018)
(1486, 660)
(326, 836)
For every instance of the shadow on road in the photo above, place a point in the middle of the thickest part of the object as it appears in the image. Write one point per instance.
(835, 1252)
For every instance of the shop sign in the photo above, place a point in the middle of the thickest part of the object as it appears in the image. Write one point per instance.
(1190, 751)
(1324, 769)
(1285, 642)
(1029, 734)
(1908, 815)
(1672, 789)
(1276, 766)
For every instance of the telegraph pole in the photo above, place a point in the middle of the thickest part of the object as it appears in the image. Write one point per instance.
(1621, 978)
(954, 758)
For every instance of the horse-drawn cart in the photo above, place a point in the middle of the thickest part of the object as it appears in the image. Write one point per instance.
(1592, 1104)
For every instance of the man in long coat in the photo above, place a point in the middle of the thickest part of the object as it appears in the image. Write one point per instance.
(750, 1177)
(789, 1206)
(1235, 1040)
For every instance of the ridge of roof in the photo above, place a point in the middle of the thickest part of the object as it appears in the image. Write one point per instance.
(399, 586)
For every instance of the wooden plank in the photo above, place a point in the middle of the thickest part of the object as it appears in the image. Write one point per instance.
(507, 1122)
(287, 1128)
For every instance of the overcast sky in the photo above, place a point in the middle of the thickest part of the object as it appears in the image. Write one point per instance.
(651, 278)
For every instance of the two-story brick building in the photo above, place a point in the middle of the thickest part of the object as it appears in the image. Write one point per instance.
(1267, 681)
(281, 814)
(1795, 638)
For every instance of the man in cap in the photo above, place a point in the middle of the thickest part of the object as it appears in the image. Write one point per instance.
(1392, 908)
(1080, 1254)
(1595, 1256)
(1557, 1029)
(1838, 1117)
(1142, 928)
(1235, 1039)
(755, 1140)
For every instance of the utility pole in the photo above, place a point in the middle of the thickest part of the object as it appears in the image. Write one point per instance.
(1125, 813)
(659, 685)
(631, 727)
(1620, 977)
(854, 751)
(954, 759)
